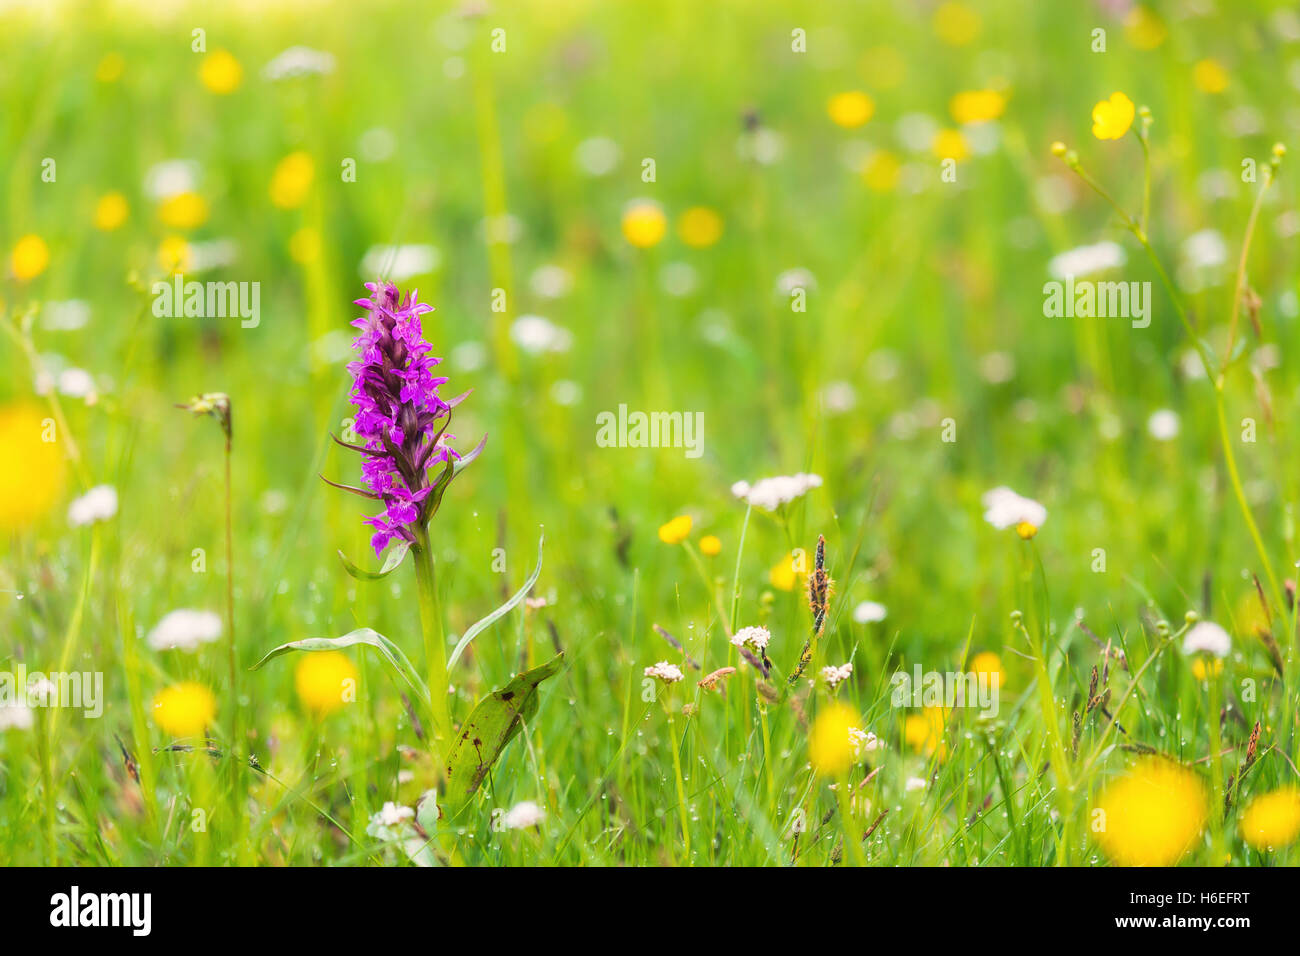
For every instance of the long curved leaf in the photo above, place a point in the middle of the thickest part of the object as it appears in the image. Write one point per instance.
(389, 651)
(495, 721)
(391, 563)
(480, 626)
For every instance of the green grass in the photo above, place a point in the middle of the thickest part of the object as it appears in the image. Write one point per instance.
(914, 288)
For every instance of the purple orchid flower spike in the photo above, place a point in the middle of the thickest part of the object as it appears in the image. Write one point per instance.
(401, 419)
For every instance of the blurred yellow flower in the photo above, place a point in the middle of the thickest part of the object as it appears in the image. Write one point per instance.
(29, 258)
(110, 67)
(950, 144)
(1144, 29)
(986, 662)
(977, 106)
(644, 223)
(699, 227)
(1112, 118)
(1152, 815)
(675, 531)
(184, 709)
(851, 109)
(221, 72)
(1026, 530)
(175, 255)
(1210, 76)
(881, 170)
(1201, 670)
(111, 211)
(292, 179)
(32, 476)
(830, 748)
(883, 67)
(923, 732)
(183, 211)
(711, 545)
(1272, 820)
(956, 24)
(325, 681)
(304, 245)
(785, 575)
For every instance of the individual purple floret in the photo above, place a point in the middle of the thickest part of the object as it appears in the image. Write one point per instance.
(401, 420)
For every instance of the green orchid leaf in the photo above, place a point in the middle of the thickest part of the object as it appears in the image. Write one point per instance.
(391, 563)
(495, 721)
(390, 652)
(479, 626)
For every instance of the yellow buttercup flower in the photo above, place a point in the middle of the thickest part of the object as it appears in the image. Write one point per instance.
(304, 245)
(29, 258)
(956, 24)
(977, 106)
(183, 211)
(1144, 29)
(710, 545)
(111, 211)
(986, 662)
(325, 681)
(923, 732)
(675, 531)
(1202, 670)
(34, 469)
(1272, 820)
(1210, 76)
(1152, 815)
(851, 109)
(881, 171)
(950, 144)
(785, 575)
(175, 255)
(221, 72)
(292, 179)
(1112, 118)
(184, 709)
(830, 747)
(699, 227)
(110, 68)
(644, 223)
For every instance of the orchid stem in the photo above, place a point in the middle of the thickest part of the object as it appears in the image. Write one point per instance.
(435, 644)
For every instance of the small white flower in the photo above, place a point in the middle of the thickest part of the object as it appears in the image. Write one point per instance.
(668, 673)
(532, 333)
(864, 741)
(185, 630)
(43, 692)
(523, 815)
(678, 279)
(15, 717)
(771, 493)
(392, 814)
(755, 637)
(597, 156)
(834, 676)
(1205, 249)
(1006, 509)
(913, 783)
(212, 254)
(1163, 425)
(299, 61)
(839, 397)
(792, 279)
(997, 368)
(868, 612)
(1208, 637)
(566, 392)
(764, 146)
(550, 281)
(399, 263)
(377, 144)
(171, 178)
(1087, 260)
(78, 383)
(97, 504)
(65, 316)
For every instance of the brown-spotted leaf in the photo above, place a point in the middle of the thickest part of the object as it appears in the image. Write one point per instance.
(495, 721)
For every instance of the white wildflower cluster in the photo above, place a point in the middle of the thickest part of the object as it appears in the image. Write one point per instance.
(755, 637)
(1208, 638)
(771, 493)
(668, 673)
(1006, 509)
(97, 504)
(523, 815)
(185, 630)
(868, 612)
(299, 61)
(834, 676)
(1087, 260)
(864, 741)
